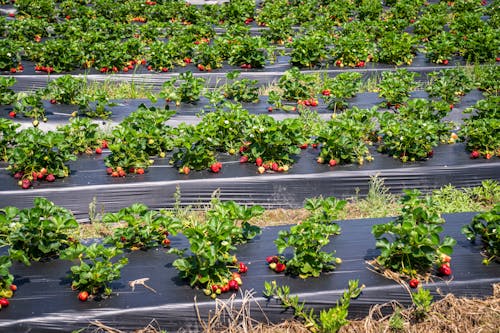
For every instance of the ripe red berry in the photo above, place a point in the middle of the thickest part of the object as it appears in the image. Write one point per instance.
(474, 154)
(332, 162)
(444, 269)
(50, 178)
(98, 150)
(414, 283)
(244, 159)
(258, 161)
(4, 302)
(280, 267)
(13, 287)
(12, 114)
(83, 296)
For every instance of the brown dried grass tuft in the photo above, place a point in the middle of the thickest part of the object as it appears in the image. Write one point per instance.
(450, 314)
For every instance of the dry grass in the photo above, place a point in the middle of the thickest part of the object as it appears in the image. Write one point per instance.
(450, 314)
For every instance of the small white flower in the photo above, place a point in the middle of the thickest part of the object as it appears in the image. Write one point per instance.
(226, 122)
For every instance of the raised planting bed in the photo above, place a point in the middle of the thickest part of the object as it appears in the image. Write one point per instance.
(242, 183)
(173, 305)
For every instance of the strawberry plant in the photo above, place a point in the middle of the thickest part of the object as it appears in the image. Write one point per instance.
(479, 130)
(39, 155)
(369, 10)
(9, 56)
(338, 90)
(411, 244)
(486, 226)
(274, 142)
(39, 233)
(236, 11)
(65, 89)
(82, 136)
(408, 139)
(7, 95)
(395, 87)
(141, 135)
(396, 48)
(96, 269)
(353, 48)
(488, 80)
(248, 52)
(244, 90)
(331, 320)
(40, 9)
(297, 86)
(481, 45)
(441, 48)
(210, 260)
(6, 278)
(207, 57)
(160, 56)
(343, 139)
(431, 22)
(140, 228)
(7, 137)
(188, 90)
(310, 236)
(308, 50)
(31, 106)
(450, 85)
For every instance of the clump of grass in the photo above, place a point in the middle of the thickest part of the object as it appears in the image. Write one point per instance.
(120, 89)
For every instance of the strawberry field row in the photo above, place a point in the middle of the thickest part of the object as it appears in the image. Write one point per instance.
(161, 36)
(157, 291)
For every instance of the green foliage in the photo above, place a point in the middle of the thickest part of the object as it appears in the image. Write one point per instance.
(479, 130)
(140, 228)
(211, 242)
(329, 321)
(296, 85)
(310, 236)
(38, 233)
(338, 90)
(7, 137)
(411, 244)
(141, 135)
(486, 225)
(344, 137)
(243, 90)
(188, 90)
(7, 95)
(422, 300)
(35, 150)
(396, 86)
(82, 135)
(450, 85)
(396, 48)
(96, 269)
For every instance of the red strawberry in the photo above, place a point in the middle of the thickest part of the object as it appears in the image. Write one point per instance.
(12, 114)
(109, 171)
(445, 62)
(104, 144)
(25, 184)
(114, 174)
(103, 70)
(125, 69)
(140, 171)
(445, 270)
(13, 70)
(303, 146)
(185, 170)
(13, 287)
(83, 296)
(242, 268)
(270, 109)
(233, 285)
(271, 259)
(12, 15)
(258, 161)
(361, 64)
(326, 92)
(4, 302)
(165, 242)
(244, 159)
(50, 178)
(215, 168)
(414, 283)
(280, 267)
(274, 166)
(474, 154)
(98, 150)
(18, 175)
(332, 162)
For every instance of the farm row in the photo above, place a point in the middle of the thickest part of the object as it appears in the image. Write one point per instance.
(226, 251)
(161, 35)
